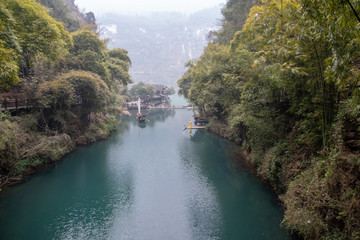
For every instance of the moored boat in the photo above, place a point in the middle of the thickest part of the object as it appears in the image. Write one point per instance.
(140, 117)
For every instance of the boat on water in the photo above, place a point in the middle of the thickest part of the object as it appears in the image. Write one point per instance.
(140, 117)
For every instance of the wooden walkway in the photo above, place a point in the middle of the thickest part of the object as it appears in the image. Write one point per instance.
(15, 104)
(169, 107)
(151, 107)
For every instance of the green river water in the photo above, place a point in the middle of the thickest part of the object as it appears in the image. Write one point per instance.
(151, 183)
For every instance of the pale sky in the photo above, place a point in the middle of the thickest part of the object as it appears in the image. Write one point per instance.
(141, 6)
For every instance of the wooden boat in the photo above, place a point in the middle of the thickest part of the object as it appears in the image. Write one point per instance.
(140, 117)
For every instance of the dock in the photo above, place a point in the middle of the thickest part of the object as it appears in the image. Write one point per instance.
(194, 127)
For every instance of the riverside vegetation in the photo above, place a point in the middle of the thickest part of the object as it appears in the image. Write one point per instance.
(281, 78)
(51, 54)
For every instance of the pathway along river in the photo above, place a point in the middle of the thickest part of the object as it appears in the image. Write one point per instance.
(152, 183)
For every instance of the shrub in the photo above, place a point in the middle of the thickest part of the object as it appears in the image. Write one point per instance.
(324, 201)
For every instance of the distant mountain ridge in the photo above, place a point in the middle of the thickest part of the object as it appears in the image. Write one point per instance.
(160, 44)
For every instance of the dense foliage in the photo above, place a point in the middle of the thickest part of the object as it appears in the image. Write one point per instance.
(89, 53)
(27, 31)
(287, 88)
(142, 90)
(72, 82)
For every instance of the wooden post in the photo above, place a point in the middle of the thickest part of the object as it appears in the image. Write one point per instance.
(5, 103)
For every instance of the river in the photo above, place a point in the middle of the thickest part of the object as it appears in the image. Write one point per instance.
(152, 183)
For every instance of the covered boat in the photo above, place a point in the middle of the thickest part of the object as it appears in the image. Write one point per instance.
(140, 117)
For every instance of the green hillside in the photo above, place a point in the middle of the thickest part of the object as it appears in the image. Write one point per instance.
(286, 87)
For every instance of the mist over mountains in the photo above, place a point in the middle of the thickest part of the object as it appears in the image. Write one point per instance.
(160, 44)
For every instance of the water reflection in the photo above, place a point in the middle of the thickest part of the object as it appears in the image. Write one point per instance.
(75, 200)
(142, 124)
(147, 183)
(153, 116)
(106, 191)
(246, 206)
(202, 202)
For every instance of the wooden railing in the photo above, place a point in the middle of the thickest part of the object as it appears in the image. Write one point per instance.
(16, 103)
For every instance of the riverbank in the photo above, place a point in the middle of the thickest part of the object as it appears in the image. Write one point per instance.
(26, 148)
(318, 190)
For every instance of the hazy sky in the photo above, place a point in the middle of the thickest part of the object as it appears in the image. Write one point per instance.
(139, 6)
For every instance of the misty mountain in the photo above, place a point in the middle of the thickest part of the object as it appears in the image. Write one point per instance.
(160, 44)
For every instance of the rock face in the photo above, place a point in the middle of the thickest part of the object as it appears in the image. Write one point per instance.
(160, 44)
(84, 18)
(67, 12)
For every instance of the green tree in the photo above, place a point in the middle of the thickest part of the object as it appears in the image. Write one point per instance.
(337, 23)
(8, 66)
(28, 30)
(118, 63)
(121, 55)
(8, 57)
(90, 92)
(211, 82)
(295, 56)
(90, 53)
(234, 16)
(142, 90)
(87, 41)
(186, 80)
(171, 91)
(55, 99)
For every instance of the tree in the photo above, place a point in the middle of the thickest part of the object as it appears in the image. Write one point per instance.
(8, 66)
(210, 83)
(336, 22)
(87, 41)
(122, 55)
(295, 55)
(118, 73)
(27, 30)
(55, 99)
(142, 90)
(234, 16)
(90, 18)
(90, 91)
(118, 62)
(8, 57)
(186, 80)
(171, 91)
(90, 53)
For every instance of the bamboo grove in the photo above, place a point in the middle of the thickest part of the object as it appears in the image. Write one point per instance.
(285, 85)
